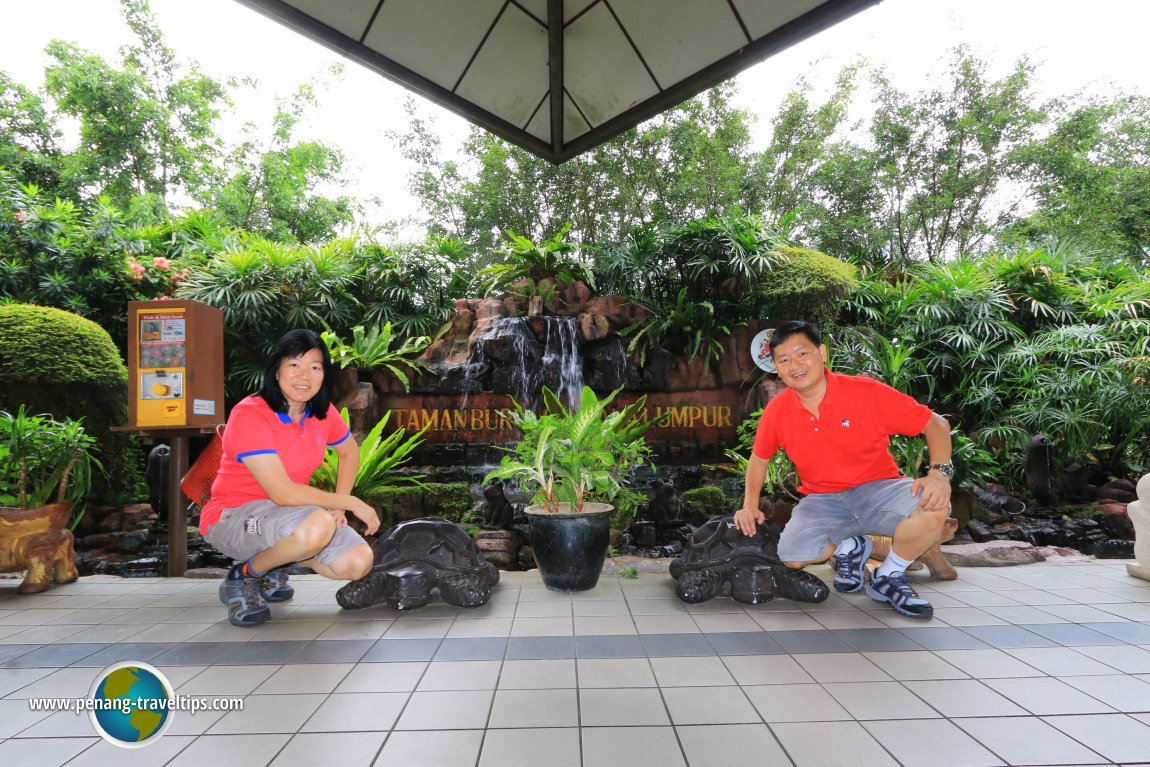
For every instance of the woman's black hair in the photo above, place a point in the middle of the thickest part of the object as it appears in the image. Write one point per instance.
(293, 344)
(795, 327)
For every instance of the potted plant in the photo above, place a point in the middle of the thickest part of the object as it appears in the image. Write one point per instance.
(45, 474)
(577, 461)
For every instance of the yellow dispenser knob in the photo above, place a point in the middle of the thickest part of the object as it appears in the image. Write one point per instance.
(161, 390)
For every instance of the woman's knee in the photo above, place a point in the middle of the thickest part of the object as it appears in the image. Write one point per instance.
(316, 531)
(355, 564)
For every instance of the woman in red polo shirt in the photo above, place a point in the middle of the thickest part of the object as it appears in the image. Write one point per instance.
(263, 510)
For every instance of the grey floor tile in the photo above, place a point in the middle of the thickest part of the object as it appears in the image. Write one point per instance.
(795, 703)
(964, 697)
(1043, 696)
(608, 646)
(1128, 694)
(1009, 637)
(537, 674)
(615, 672)
(942, 638)
(230, 750)
(766, 669)
(455, 710)
(877, 640)
(476, 648)
(799, 642)
(322, 748)
(442, 749)
(268, 714)
(1132, 633)
(1024, 740)
(229, 653)
(42, 752)
(629, 746)
(1071, 634)
(14, 679)
(540, 648)
(53, 656)
(731, 745)
(1117, 737)
(818, 744)
(401, 650)
(937, 743)
(676, 645)
(879, 700)
(16, 716)
(554, 747)
(155, 754)
(744, 643)
(709, 705)
(73, 682)
(535, 708)
(461, 675)
(10, 651)
(357, 712)
(622, 707)
(115, 653)
(383, 677)
(334, 651)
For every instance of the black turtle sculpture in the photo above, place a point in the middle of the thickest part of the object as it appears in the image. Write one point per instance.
(417, 561)
(719, 561)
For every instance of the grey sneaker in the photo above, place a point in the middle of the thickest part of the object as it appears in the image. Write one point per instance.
(896, 590)
(242, 596)
(850, 569)
(275, 587)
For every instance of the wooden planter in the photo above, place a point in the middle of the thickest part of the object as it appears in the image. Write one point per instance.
(39, 541)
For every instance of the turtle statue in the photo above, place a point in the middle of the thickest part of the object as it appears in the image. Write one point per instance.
(417, 562)
(719, 561)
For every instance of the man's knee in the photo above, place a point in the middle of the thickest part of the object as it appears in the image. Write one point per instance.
(315, 532)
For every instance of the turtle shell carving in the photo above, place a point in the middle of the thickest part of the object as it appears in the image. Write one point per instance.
(719, 561)
(419, 562)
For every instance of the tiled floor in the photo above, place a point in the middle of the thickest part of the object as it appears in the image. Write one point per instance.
(1044, 664)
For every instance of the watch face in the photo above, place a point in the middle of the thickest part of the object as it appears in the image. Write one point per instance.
(943, 468)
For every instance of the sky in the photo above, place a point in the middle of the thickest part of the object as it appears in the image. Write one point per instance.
(1095, 47)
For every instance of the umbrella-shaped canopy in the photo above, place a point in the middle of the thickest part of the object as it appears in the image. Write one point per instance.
(558, 77)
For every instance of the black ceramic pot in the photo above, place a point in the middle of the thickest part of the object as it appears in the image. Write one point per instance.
(569, 547)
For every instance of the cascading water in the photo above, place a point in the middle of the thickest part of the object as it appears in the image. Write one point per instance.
(509, 359)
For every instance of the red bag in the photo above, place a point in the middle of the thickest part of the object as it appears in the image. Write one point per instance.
(197, 483)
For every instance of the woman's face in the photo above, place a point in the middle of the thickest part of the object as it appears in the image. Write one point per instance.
(300, 377)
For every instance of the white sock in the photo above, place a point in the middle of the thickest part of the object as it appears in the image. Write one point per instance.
(847, 546)
(891, 565)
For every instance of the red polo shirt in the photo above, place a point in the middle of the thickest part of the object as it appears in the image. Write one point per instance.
(254, 429)
(848, 443)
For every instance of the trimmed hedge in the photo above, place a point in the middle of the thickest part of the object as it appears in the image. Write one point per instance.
(808, 285)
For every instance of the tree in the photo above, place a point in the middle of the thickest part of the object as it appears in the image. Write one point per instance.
(272, 189)
(144, 127)
(688, 162)
(29, 138)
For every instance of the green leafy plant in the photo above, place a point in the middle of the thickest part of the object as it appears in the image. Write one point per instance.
(690, 327)
(41, 458)
(523, 259)
(372, 349)
(379, 457)
(574, 457)
(627, 571)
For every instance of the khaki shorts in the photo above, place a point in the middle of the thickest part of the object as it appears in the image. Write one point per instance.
(250, 528)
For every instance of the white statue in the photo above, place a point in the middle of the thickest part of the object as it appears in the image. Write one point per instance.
(1139, 513)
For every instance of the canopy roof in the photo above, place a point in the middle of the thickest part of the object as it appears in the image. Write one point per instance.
(558, 77)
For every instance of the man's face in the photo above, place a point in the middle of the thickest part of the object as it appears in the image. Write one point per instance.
(800, 364)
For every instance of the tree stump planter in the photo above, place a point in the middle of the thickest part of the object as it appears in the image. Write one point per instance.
(39, 541)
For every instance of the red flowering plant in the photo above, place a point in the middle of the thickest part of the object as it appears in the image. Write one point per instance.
(153, 281)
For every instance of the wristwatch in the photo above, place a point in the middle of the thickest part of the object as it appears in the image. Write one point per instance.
(945, 469)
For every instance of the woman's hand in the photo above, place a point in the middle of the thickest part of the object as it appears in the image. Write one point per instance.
(339, 515)
(365, 514)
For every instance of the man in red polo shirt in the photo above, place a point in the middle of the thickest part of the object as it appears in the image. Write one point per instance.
(836, 429)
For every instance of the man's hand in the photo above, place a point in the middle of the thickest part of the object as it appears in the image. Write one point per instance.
(339, 515)
(746, 520)
(933, 491)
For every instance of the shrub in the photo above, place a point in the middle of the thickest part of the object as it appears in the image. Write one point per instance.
(56, 362)
(808, 285)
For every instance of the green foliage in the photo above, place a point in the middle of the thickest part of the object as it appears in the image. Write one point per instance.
(379, 458)
(41, 458)
(579, 456)
(450, 501)
(686, 327)
(809, 285)
(626, 571)
(708, 500)
(373, 350)
(554, 260)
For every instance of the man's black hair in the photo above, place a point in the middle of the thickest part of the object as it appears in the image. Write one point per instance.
(293, 344)
(795, 327)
